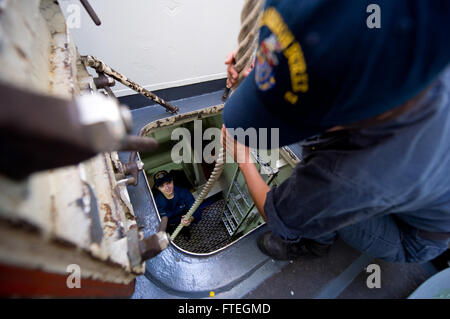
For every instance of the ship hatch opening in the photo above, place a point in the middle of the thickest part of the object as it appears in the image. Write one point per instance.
(228, 212)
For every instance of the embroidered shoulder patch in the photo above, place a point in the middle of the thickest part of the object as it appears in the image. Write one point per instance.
(281, 40)
(266, 60)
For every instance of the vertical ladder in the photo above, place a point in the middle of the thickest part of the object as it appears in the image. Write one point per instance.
(238, 204)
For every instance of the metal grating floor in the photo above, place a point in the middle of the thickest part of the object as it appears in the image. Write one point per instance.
(209, 234)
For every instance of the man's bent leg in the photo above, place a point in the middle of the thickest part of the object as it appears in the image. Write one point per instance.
(385, 238)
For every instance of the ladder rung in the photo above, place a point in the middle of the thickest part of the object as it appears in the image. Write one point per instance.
(226, 225)
(232, 214)
(243, 196)
(230, 222)
(237, 205)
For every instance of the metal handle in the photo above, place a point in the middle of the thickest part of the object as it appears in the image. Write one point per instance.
(226, 93)
(91, 12)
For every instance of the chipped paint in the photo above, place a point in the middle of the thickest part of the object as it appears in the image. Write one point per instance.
(46, 221)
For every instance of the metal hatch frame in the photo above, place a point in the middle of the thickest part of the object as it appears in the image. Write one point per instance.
(166, 123)
(176, 271)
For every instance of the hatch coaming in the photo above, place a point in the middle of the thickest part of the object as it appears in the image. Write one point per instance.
(179, 273)
(52, 219)
(196, 174)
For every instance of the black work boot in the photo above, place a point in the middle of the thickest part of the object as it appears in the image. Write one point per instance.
(279, 249)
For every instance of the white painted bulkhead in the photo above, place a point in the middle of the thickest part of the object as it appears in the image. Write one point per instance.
(159, 44)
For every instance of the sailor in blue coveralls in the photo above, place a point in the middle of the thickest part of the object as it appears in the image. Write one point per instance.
(371, 109)
(174, 202)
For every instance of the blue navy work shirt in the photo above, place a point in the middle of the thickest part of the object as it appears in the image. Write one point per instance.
(400, 167)
(178, 206)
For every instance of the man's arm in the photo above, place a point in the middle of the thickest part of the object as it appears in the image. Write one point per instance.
(163, 224)
(255, 183)
(160, 204)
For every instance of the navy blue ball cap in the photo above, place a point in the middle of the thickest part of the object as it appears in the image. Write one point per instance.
(162, 177)
(247, 110)
(327, 63)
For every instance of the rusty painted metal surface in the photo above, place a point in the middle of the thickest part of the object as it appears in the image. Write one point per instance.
(23, 282)
(73, 215)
